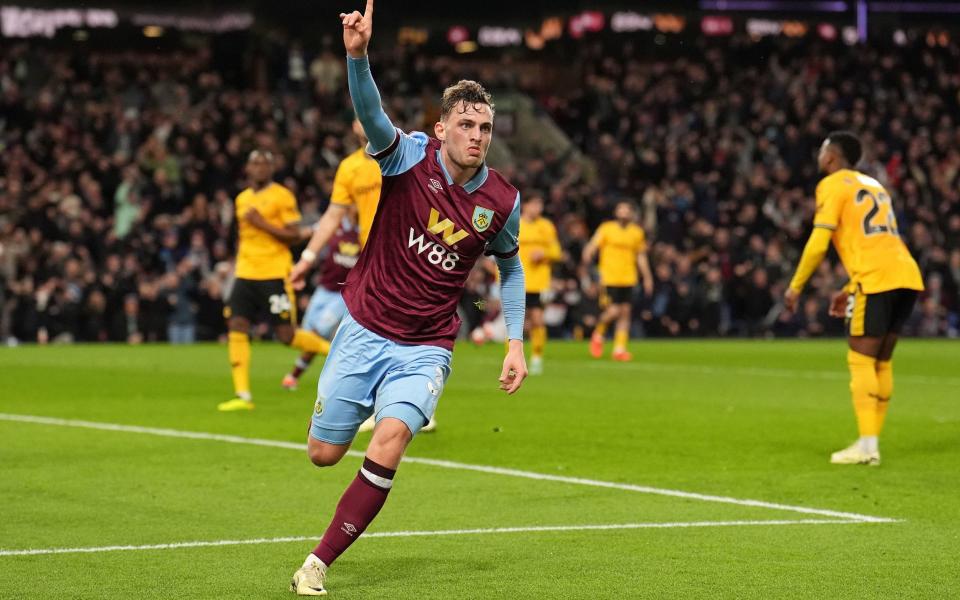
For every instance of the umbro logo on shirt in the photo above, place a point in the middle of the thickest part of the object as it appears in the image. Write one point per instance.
(435, 186)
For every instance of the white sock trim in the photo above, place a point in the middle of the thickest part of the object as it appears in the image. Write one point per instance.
(380, 482)
(313, 560)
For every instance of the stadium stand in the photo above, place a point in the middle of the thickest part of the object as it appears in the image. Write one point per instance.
(119, 170)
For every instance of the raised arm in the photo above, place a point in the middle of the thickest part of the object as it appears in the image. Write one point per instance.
(357, 30)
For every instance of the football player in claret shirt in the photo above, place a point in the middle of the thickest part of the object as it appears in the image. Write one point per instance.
(267, 223)
(356, 185)
(856, 213)
(440, 210)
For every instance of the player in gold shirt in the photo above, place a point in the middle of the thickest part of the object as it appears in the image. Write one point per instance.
(356, 190)
(267, 223)
(623, 250)
(539, 249)
(357, 183)
(855, 212)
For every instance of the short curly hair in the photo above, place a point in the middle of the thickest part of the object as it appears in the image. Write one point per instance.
(848, 144)
(467, 91)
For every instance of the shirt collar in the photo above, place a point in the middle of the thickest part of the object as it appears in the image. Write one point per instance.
(475, 182)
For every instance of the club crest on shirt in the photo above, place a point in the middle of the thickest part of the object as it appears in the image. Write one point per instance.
(482, 218)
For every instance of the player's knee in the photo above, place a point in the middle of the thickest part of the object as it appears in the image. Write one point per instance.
(321, 459)
(391, 435)
(323, 455)
(238, 324)
(285, 335)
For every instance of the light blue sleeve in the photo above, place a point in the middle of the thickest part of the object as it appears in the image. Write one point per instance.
(507, 241)
(512, 295)
(394, 150)
(366, 104)
(409, 150)
(512, 289)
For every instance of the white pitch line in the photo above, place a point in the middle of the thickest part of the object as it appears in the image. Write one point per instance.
(176, 433)
(450, 465)
(447, 532)
(647, 490)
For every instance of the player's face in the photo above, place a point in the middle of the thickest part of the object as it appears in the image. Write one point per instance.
(466, 134)
(259, 169)
(623, 212)
(532, 208)
(823, 158)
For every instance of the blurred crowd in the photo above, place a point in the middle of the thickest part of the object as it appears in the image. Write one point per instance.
(119, 169)
(118, 177)
(716, 144)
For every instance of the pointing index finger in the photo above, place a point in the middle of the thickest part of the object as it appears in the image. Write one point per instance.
(368, 12)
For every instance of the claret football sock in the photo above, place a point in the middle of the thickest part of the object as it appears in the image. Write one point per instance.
(356, 510)
(301, 365)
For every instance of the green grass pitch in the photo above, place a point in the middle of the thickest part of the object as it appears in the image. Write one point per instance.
(747, 420)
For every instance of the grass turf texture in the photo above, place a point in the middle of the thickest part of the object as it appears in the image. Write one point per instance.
(743, 419)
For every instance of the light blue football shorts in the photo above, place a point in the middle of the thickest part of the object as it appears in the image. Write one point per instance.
(324, 312)
(367, 374)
